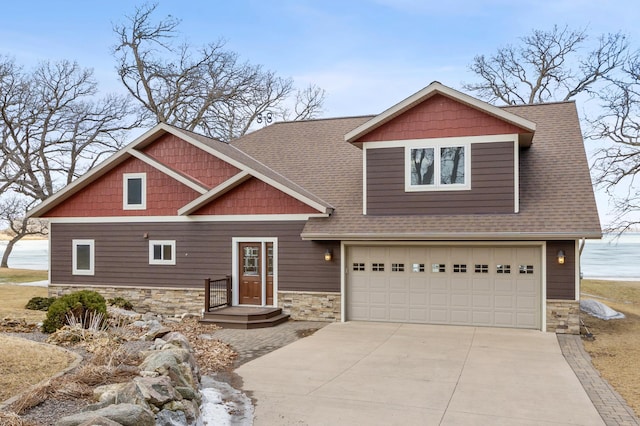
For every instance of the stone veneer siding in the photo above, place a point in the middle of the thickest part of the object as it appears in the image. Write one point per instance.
(310, 306)
(563, 316)
(165, 301)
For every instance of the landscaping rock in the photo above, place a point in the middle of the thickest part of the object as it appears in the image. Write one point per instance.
(100, 421)
(122, 393)
(166, 363)
(155, 329)
(177, 339)
(189, 393)
(124, 414)
(171, 418)
(189, 408)
(157, 390)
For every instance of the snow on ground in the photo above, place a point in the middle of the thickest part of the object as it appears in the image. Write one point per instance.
(44, 283)
(224, 405)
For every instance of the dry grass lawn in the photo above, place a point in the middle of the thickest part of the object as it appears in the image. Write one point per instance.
(616, 346)
(13, 299)
(12, 275)
(24, 363)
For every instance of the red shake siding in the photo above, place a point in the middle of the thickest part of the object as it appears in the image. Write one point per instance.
(255, 197)
(190, 160)
(440, 117)
(104, 196)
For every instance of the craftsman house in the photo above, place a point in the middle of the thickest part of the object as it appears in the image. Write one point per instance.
(443, 209)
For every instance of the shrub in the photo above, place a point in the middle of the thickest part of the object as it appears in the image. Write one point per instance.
(40, 303)
(121, 302)
(77, 304)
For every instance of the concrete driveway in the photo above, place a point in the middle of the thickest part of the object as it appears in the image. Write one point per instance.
(387, 374)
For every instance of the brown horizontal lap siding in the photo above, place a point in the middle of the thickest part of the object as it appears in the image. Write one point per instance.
(561, 279)
(203, 249)
(492, 184)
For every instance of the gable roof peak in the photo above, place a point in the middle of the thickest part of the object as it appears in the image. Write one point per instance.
(432, 89)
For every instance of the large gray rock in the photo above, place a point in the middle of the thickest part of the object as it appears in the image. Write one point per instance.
(171, 418)
(157, 390)
(189, 408)
(177, 339)
(166, 363)
(155, 329)
(121, 393)
(125, 414)
(100, 421)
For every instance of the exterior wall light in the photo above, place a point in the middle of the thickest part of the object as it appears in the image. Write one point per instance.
(561, 257)
(328, 255)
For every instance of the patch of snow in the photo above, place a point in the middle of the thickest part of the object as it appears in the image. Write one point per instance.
(599, 310)
(44, 283)
(224, 405)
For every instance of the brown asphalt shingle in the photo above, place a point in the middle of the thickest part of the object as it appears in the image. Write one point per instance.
(556, 196)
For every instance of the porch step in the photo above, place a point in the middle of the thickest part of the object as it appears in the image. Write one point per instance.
(244, 317)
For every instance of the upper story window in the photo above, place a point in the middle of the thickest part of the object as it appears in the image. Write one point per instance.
(134, 191)
(437, 168)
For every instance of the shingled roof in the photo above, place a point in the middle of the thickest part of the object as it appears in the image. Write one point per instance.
(556, 195)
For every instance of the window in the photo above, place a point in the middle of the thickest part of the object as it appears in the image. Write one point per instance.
(417, 267)
(437, 168)
(481, 269)
(526, 269)
(83, 257)
(397, 267)
(438, 267)
(134, 191)
(358, 267)
(162, 252)
(459, 268)
(377, 267)
(503, 269)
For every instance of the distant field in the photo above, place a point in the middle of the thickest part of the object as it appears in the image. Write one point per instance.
(11, 275)
(13, 299)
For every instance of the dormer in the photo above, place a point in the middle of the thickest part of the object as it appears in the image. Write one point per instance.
(441, 152)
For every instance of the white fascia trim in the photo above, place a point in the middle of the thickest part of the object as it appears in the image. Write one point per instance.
(244, 167)
(512, 236)
(428, 91)
(417, 143)
(214, 193)
(203, 218)
(166, 170)
(516, 177)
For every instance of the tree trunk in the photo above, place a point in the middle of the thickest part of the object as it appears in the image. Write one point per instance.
(8, 250)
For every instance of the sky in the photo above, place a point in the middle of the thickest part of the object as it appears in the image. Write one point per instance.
(367, 54)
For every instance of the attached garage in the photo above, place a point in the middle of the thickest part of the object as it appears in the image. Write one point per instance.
(461, 285)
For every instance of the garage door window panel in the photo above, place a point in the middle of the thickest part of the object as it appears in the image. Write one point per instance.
(481, 269)
(503, 269)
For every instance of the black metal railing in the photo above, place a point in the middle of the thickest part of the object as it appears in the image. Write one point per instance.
(217, 293)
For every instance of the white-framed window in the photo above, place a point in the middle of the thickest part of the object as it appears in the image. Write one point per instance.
(438, 167)
(83, 257)
(162, 252)
(134, 191)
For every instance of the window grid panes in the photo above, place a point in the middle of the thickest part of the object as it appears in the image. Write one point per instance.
(358, 267)
(503, 269)
(377, 267)
(417, 267)
(438, 267)
(481, 269)
(460, 267)
(397, 267)
(526, 269)
(162, 252)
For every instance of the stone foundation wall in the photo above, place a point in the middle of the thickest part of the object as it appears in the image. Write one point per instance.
(310, 306)
(563, 316)
(165, 301)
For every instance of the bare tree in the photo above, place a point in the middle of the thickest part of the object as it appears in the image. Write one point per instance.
(208, 90)
(13, 211)
(547, 66)
(617, 165)
(53, 128)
